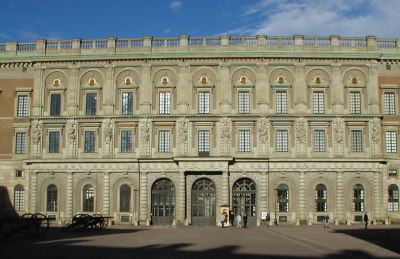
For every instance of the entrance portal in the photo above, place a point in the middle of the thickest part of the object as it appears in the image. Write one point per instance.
(163, 202)
(203, 202)
(244, 199)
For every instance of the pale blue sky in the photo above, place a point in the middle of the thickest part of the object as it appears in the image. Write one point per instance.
(29, 20)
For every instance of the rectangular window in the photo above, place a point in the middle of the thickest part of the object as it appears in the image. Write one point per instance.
(391, 141)
(90, 141)
(244, 102)
(392, 172)
(20, 143)
(318, 102)
(356, 141)
(91, 103)
(244, 140)
(163, 141)
(19, 198)
(19, 173)
(55, 104)
(281, 140)
(126, 141)
(390, 105)
(281, 102)
(165, 102)
(204, 142)
(54, 142)
(127, 103)
(22, 106)
(204, 102)
(393, 201)
(319, 141)
(355, 102)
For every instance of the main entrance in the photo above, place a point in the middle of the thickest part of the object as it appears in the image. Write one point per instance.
(244, 199)
(203, 202)
(163, 202)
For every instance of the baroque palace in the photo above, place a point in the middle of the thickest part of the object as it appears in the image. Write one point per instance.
(169, 130)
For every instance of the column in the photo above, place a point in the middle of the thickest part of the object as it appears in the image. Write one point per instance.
(106, 194)
(263, 199)
(109, 91)
(300, 96)
(262, 88)
(181, 199)
(182, 91)
(377, 194)
(224, 88)
(73, 91)
(69, 196)
(146, 89)
(37, 96)
(373, 89)
(302, 198)
(337, 90)
(143, 201)
(33, 193)
(225, 188)
(339, 198)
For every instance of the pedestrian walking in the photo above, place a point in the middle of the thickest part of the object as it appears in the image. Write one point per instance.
(245, 220)
(326, 220)
(366, 220)
(222, 219)
(268, 218)
(238, 221)
(231, 217)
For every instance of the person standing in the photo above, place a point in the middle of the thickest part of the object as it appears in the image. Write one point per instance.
(268, 218)
(222, 219)
(326, 224)
(231, 217)
(245, 220)
(366, 220)
(238, 221)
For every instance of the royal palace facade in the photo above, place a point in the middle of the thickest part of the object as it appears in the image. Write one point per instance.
(168, 130)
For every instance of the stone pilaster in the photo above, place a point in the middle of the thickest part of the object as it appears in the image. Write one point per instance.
(225, 136)
(300, 98)
(377, 195)
(225, 188)
(106, 194)
(302, 198)
(301, 137)
(263, 199)
(73, 91)
(37, 96)
(145, 137)
(146, 91)
(109, 91)
(181, 199)
(263, 127)
(373, 89)
(182, 91)
(337, 89)
(225, 89)
(339, 198)
(262, 88)
(69, 196)
(182, 138)
(33, 195)
(338, 137)
(144, 216)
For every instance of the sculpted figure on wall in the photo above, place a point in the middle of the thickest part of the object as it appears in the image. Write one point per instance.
(338, 130)
(301, 130)
(225, 130)
(108, 126)
(375, 125)
(36, 131)
(71, 131)
(182, 130)
(263, 129)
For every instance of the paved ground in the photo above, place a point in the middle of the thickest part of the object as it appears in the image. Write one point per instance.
(210, 242)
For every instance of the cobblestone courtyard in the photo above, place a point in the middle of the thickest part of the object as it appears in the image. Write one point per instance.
(210, 242)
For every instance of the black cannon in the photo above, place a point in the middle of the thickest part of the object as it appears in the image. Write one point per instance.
(29, 224)
(83, 222)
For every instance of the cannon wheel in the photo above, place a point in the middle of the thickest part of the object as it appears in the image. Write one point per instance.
(81, 221)
(27, 224)
(101, 222)
(5, 226)
(42, 224)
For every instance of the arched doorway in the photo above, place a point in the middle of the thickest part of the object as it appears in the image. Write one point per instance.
(203, 202)
(244, 199)
(163, 202)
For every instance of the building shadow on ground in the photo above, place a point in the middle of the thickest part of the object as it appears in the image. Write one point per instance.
(386, 238)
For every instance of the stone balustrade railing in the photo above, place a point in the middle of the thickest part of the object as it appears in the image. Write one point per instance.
(186, 43)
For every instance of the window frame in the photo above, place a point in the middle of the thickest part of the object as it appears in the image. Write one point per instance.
(318, 102)
(243, 101)
(50, 150)
(203, 140)
(126, 146)
(20, 144)
(203, 102)
(244, 140)
(393, 198)
(356, 141)
(391, 141)
(355, 104)
(282, 144)
(319, 145)
(321, 201)
(164, 102)
(164, 141)
(91, 110)
(87, 147)
(19, 197)
(281, 101)
(389, 103)
(127, 108)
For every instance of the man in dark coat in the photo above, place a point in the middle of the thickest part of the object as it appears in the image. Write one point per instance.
(366, 220)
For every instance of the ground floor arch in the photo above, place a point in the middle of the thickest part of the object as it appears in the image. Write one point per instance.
(203, 202)
(163, 202)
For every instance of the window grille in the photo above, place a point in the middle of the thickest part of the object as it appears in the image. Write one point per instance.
(389, 102)
(283, 198)
(55, 104)
(281, 102)
(19, 197)
(281, 140)
(244, 102)
(127, 103)
(54, 142)
(163, 141)
(126, 141)
(358, 198)
(244, 140)
(90, 141)
(356, 141)
(391, 141)
(355, 102)
(20, 145)
(22, 107)
(204, 141)
(320, 198)
(393, 200)
(319, 141)
(318, 101)
(165, 102)
(91, 103)
(204, 102)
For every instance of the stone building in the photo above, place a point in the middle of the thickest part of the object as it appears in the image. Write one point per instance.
(169, 129)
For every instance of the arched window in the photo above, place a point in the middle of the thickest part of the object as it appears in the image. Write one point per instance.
(52, 194)
(125, 198)
(283, 198)
(393, 201)
(88, 198)
(19, 197)
(358, 197)
(320, 198)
